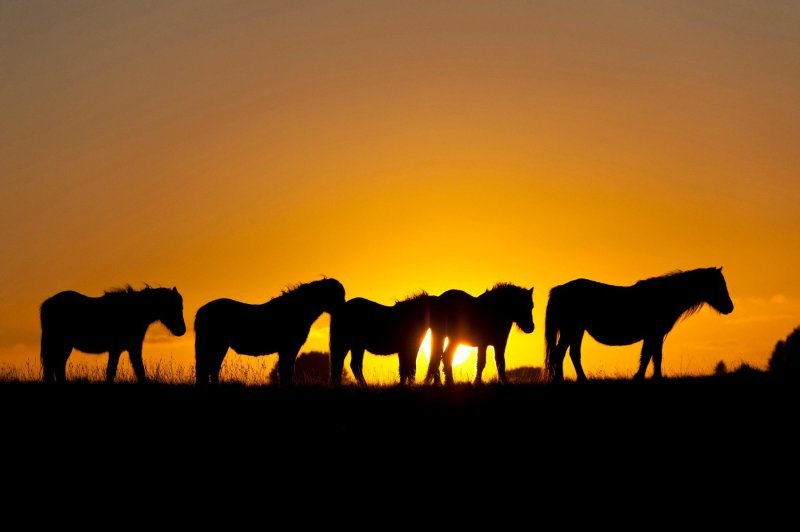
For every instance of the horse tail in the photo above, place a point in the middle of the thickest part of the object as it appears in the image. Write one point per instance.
(52, 349)
(201, 362)
(337, 343)
(552, 330)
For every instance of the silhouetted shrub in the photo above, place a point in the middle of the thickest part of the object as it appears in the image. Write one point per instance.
(720, 369)
(785, 358)
(525, 375)
(745, 370)
(312, 368)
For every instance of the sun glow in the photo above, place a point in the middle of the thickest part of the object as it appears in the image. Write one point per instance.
(462, 352)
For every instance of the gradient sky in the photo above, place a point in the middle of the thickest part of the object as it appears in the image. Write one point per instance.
(232, 148)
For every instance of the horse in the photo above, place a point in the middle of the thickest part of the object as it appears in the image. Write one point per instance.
(478, 322)
(281, 325)
(622, 315)
(363, 325)
(114, 322)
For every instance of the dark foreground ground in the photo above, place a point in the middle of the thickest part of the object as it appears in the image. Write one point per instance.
(730, 438)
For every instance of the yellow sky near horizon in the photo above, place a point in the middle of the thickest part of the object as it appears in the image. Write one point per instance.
(233, 148)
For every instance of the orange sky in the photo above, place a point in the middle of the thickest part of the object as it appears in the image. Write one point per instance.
(232, 148)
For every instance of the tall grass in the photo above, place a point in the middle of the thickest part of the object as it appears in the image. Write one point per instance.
(248, 371)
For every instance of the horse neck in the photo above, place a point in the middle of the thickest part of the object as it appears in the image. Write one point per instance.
(413, 311)
(684, 294)
(494, 305)
(142, 309)
(308, 310)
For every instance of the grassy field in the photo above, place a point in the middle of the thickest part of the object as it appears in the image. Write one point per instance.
(707, 418)
(606, 439)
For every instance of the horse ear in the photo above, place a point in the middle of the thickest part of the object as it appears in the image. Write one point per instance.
(531, 290)
(719, 269)
(175, 289)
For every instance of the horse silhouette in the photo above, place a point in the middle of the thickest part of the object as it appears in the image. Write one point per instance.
(280, 325)
(115, 322)
(623, 315)
(478, 322)
(363, 325)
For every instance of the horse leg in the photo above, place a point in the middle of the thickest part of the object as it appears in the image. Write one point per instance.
(500, 361)
(481, 364)
(111, 369)
(286, 366)
(644, 360)
(575, 355)
(50, 355)
(135, 355)
(357, 365)
(411, 363)
(433, 376)
(658, 347)
(447, 359)
(215, 358)
(337, 365)
(201, 373)
(60, 357)
(408, 364)
(402, 368)
(559, 352)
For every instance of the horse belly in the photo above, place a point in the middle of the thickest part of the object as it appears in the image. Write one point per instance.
(253, 347)
(470, 329)
(614, 334)
(377, 337)
(380, 345)
(93, 347)
(465, 336)
(93, 339)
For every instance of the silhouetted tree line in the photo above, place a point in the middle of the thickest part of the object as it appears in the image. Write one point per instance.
(785, 358)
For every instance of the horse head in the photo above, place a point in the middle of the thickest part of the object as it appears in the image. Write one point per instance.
(523, 313)
(332, 294)
(514, 302)
(170, 310)
(717, 295)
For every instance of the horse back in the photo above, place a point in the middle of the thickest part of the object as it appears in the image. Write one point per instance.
(226, 314)
(454, 295)
(612, 314)
(369, 325)
(361, 313)
(90, 324)
(250, 329)
(68, 305)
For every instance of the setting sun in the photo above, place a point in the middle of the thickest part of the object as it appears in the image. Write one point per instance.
(462, 352)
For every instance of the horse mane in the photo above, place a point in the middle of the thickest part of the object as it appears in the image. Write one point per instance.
(504, 287)
(298, 289)
(676, 273)
(692, 309)
(669, 279)
(127, 289)
(126, 292)
(413, 297)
